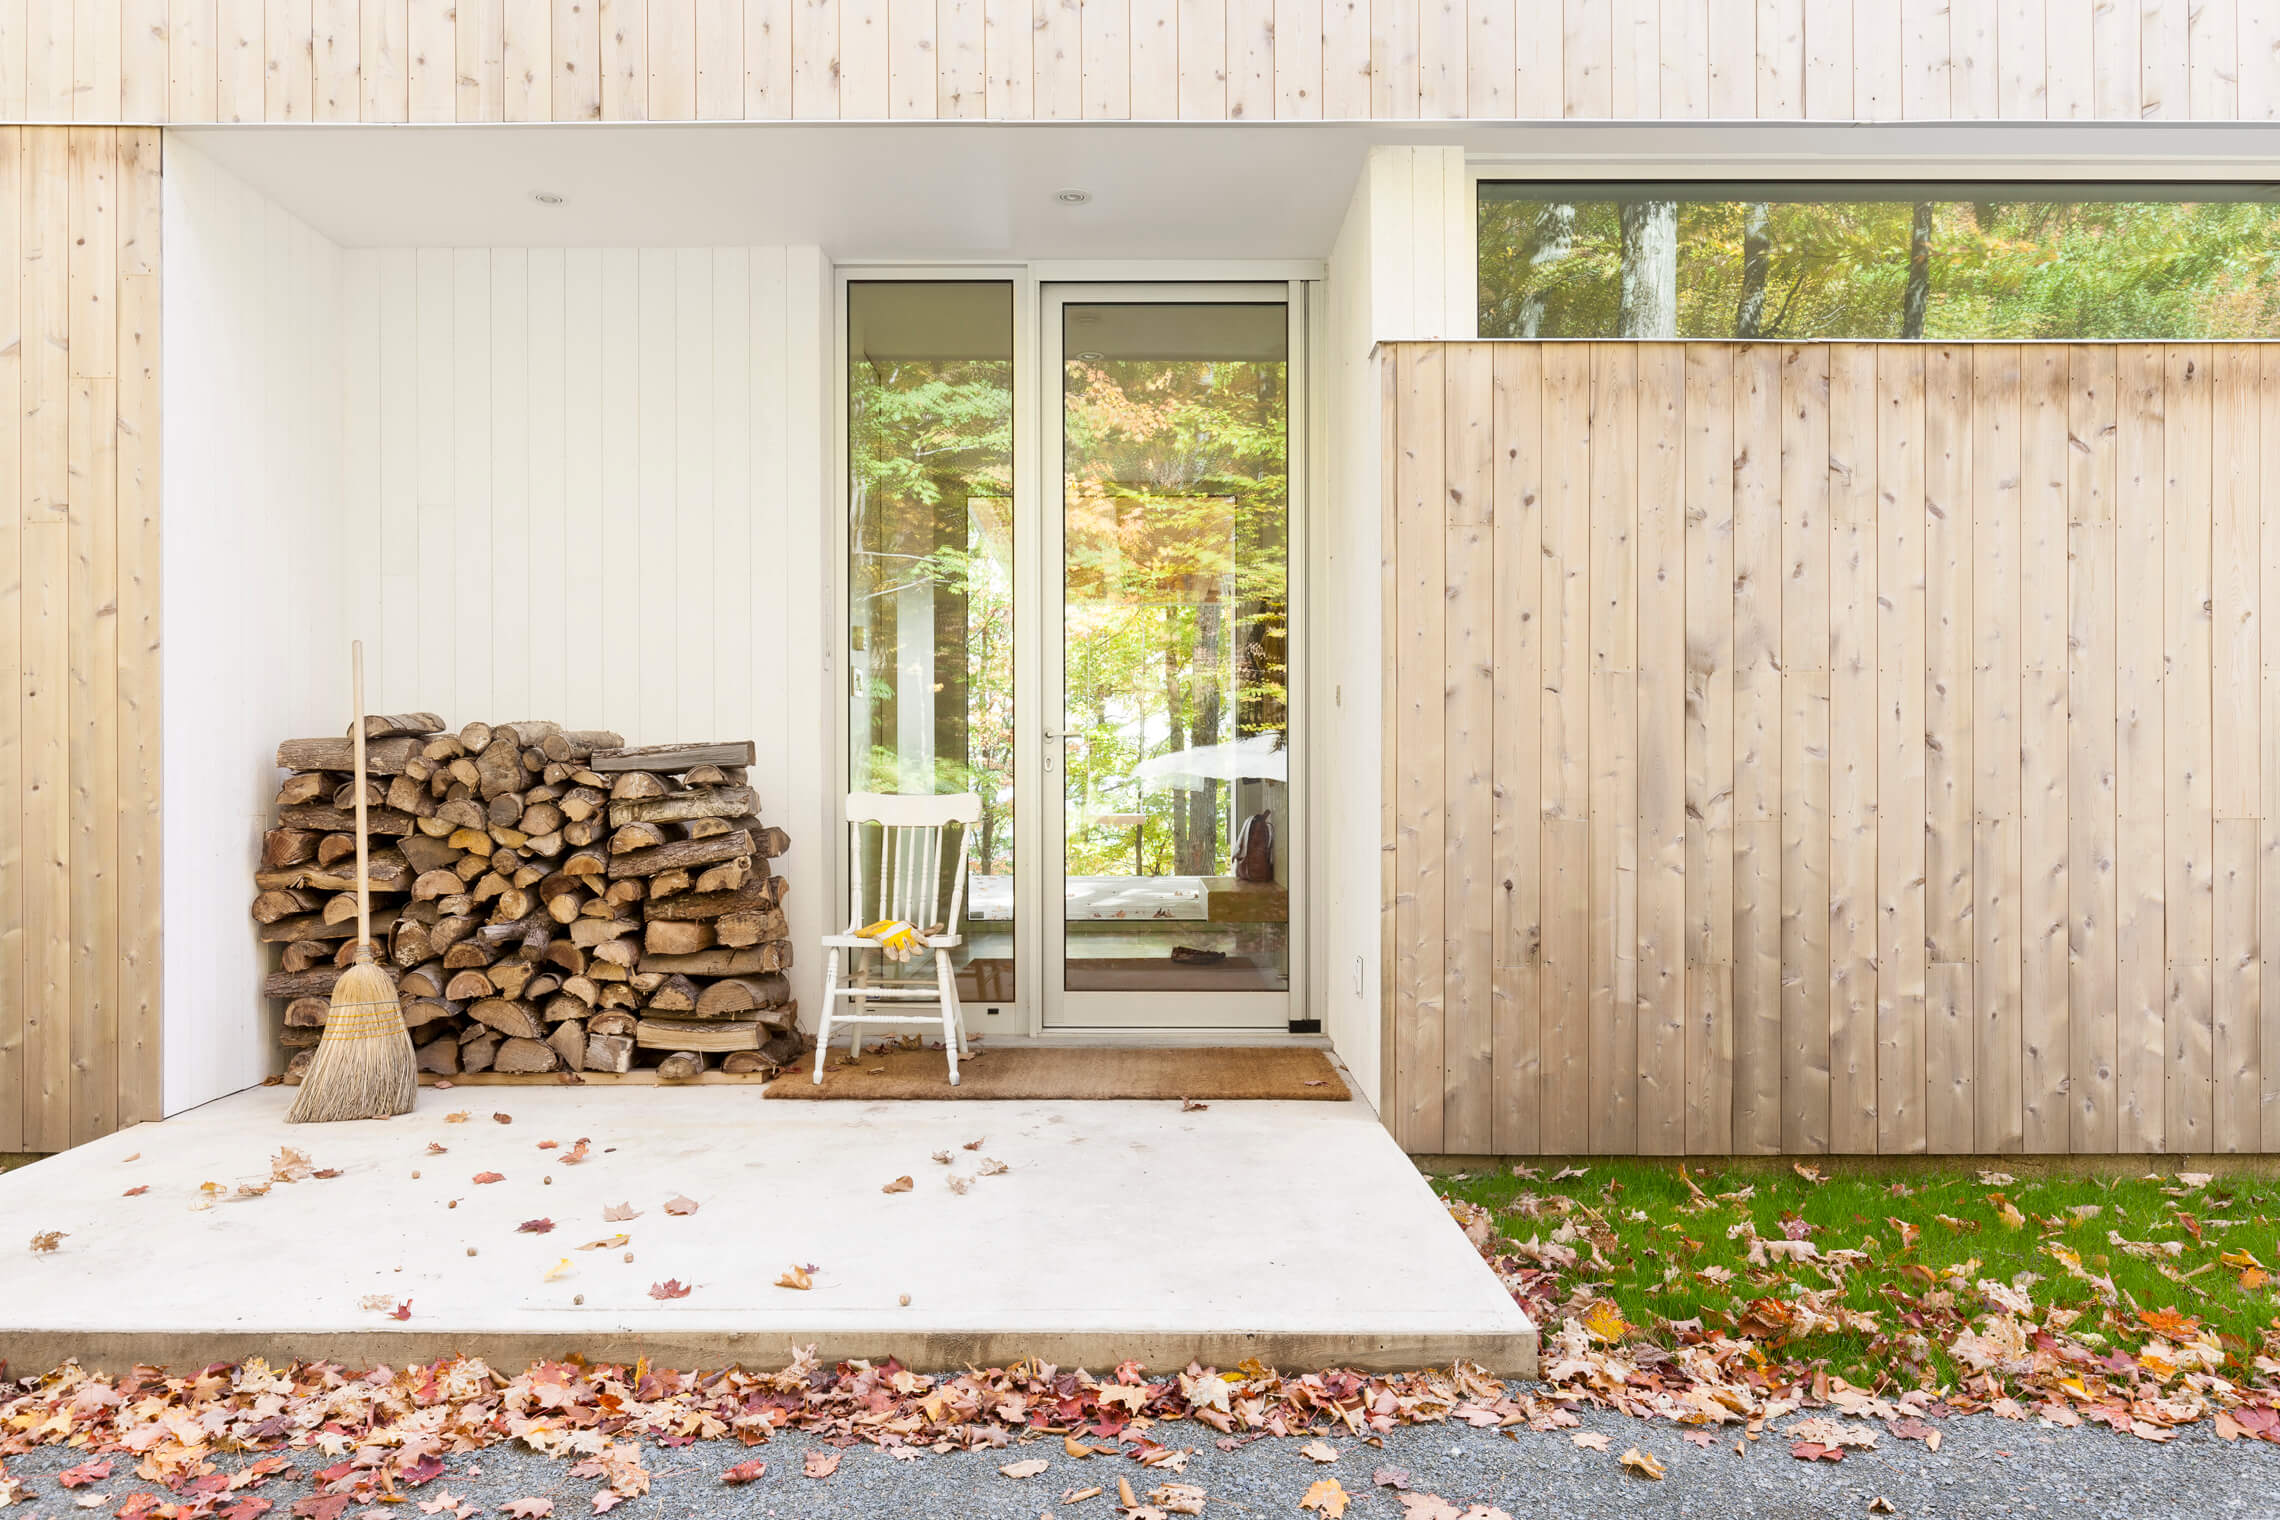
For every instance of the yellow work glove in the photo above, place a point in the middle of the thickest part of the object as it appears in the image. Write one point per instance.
(898, 939)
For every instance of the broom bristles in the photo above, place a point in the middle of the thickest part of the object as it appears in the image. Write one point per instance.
(364, 1066)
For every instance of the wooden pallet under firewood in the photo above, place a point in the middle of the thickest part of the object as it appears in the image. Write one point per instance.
(548, 901)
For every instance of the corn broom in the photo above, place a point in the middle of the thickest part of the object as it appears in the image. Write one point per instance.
(364, 1067)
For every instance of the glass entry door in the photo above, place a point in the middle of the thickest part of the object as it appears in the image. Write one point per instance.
(1167, 828)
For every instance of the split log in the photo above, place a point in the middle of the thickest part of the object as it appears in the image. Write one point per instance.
(608, 1052)
(670, 757)
(583, 742)
(673, 994)
(478, 1053)
(667, 883)
(425, 980)
(526, 732)
(743, 1063)
(334, 849)
(707, 828)
(637, 836)
(288, 847)
(725, 877)
(735, 995)
(591, 933)
(514, 1019)
(320, 815)
(567, 957)
(563, 1006)
(439, 1055)
(317, 983)
(474, 736)
(681, 1066)
(568, 1042)
(298, 1067)
(285, 902)
(420, 1012)
(424, 854)
(307, 1012)
(306, 954)
(382, 757)
(392, 725)
(637, 786)
(524, 1057)
(753, 897)
(512, 977)
(344, 795)
(666, 937)
(611, 1021)
(705, 775)
(466, 986)
(386, 871)
(308, 786)
(707, 802)
(715, 962)
(617, 952)
(689, 1035)
(580, 803)
(741, 929)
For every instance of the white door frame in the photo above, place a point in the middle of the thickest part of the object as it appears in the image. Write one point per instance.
(1037, 427)
(1246, 1012)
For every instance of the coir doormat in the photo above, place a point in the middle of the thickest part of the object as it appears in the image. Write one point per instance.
(1224, 1073)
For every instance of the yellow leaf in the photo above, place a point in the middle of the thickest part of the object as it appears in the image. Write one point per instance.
(1328, 1498)
(557, 1269)
(2253, 1279)
(2239, 1260)
(795, 1276)
(1604, 1320)
(1641, 1462)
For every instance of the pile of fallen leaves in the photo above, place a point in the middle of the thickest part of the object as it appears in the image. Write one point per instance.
(1769, 1308)
(372, 1436)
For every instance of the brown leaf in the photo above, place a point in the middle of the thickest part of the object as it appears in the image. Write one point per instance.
(680, 1205)
(795, 1276)
(899, 1185)
(576, 1155)
(1319, 1451)
(458, 1118)
(47, 1240)
(1427, 1507)
(1814, 1451)
(528, 1509)
(1079, 1495)
(1390, 1477)
(1177, 1498)
(744, 1472)
(1590, 1440)
(1190, 1106)
(1327, 1498)
(438, 1148)
(607, 1499)
(84, 1474)
(976, 1144)
(534, 1227)
(136, 1192)
(618, 1212)
(822, 1464)
(483, 1177)
(609, 1244)
(1028, 1469)
(1641, 1462)
(671, 1287)
(502, 1118)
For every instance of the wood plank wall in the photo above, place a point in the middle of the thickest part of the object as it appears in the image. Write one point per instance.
(79, 607)
(148, 61)
(1833, 747)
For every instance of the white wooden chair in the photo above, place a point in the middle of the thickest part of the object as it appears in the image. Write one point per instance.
(920, 863)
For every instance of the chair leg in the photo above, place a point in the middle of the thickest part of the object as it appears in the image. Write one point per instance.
(830, 997)
(953, 1020)
(861, 1004)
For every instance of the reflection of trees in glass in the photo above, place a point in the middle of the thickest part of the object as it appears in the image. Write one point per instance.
(1177, 595)
(930, 444)
(1883, 269)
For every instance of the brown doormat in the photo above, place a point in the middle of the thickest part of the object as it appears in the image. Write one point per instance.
(1061, 1071)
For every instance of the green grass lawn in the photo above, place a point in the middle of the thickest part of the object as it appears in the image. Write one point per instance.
(2109, 1263)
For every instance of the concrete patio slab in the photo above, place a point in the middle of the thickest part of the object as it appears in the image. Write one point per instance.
(1297, 1233)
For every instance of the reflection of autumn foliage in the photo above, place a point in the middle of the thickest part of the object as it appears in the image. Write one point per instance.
(1176, 538)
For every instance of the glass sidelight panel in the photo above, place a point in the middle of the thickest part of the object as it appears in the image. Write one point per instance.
(930, 579)
(1175, 601)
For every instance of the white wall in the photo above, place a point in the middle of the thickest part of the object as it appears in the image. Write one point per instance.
(254, 568)
(1401, 268)
(589, 484)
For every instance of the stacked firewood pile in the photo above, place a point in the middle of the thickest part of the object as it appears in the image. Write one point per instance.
(547, 900)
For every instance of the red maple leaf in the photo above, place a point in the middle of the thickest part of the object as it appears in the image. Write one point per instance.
(606, 1500)
(534, 1227)
(744, 1472)
(247, 1509)
(483, 1177)
(671, 1287)
(84, 1474)
(402, 1310)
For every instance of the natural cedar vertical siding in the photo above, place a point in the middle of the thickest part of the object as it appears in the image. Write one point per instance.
(1879, 749)
(79, 600)
(153, 61)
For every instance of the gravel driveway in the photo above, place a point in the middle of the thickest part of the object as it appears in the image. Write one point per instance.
(1984, 1467)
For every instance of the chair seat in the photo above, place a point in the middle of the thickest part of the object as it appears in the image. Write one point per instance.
(858, 942)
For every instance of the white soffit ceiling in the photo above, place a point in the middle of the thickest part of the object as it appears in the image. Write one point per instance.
(982, 191)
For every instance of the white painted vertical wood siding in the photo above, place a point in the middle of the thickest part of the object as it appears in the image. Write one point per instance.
(595, 485)
(261, 541)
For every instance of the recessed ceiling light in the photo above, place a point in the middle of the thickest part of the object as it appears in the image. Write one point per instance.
(548, 197)
(1072, 197)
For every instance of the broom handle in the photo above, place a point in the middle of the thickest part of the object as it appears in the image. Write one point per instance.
(363, 882)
